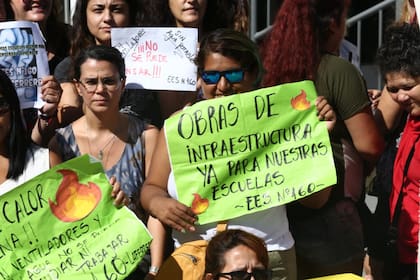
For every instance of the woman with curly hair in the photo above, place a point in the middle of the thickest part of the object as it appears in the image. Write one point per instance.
(303, 45)
(391, 119)
(399, 61)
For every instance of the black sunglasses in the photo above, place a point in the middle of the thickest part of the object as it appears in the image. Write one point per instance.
(4, 106)
(213, 77)
(259, 274)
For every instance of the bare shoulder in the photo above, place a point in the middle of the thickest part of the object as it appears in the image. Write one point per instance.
(151, 131)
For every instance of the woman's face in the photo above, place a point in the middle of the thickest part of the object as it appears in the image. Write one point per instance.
(102, 15)
(338, 30)
(100, 85)
(31, 10)
(405, 90)
(188, 13)
(4, 119)
(241, 258)
(227, 68)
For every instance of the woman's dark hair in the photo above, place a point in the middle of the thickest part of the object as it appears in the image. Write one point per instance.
(400, 50)
(227, 240)
(233, 14)
(294, 47)
(219, 14)
(232, 44)
(18, 139)
(100, 52)
(151, 14)
(82, 36)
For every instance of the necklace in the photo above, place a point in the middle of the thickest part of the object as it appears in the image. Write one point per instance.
(101, 150)
(107, 156)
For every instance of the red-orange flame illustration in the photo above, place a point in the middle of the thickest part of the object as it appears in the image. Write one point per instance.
(199, 205)
(74, 201)
(299, 102)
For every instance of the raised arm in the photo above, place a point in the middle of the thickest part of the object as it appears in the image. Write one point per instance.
(388, 113)
(70, 104)
(47, 122)
(325, 113)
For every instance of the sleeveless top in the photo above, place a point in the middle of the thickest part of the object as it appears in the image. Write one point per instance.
(37, 162)
(271, 225)
(129, 170)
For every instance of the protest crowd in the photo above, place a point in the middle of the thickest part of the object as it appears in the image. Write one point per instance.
(185, 176)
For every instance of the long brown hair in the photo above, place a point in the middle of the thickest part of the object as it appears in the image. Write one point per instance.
(82, 36)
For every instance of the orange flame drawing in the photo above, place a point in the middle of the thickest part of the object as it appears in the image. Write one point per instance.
(299, 102)
(74, 201)
(199, 205)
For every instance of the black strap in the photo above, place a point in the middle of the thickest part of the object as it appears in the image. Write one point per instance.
(397, 211)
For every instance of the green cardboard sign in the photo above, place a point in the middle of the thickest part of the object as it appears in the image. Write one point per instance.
(63, 225)
(248, 152)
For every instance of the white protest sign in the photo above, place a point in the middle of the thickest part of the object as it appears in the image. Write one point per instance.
(23, 58)
(158, 58)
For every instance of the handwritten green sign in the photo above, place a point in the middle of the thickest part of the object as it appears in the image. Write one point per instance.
(63, 225)
(248, 152)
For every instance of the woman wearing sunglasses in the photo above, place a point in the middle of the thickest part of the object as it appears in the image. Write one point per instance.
(228, 63)
(236, 255)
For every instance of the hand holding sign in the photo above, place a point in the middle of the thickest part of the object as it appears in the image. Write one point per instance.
(158, 58)
(62, 225)
(325, 112)
(23, 58)
(172, 212)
